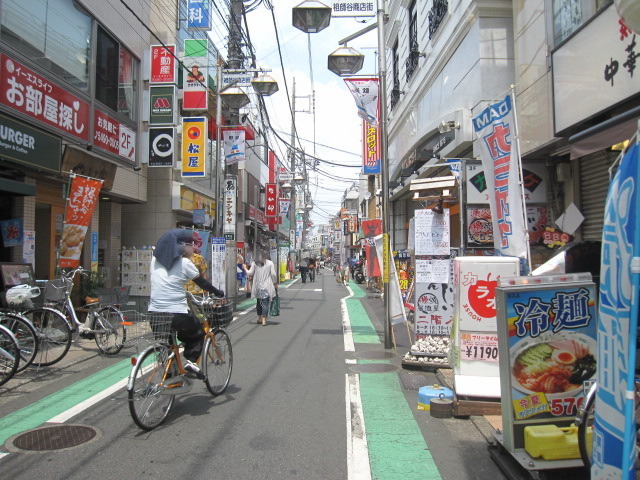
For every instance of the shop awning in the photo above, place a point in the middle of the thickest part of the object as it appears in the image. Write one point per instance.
(17, 188)
(605, 134)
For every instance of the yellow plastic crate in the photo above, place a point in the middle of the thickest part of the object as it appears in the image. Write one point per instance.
(552, 442)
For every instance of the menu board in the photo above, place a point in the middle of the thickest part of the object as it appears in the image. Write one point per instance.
(547, 342)
(432, 232)
(136, 270)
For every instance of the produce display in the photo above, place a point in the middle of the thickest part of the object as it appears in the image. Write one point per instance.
(432, 349)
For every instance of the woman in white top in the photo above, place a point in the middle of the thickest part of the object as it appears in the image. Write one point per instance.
(264, 284)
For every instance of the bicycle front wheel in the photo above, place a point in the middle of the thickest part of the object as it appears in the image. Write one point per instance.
(109, 330)
(9, 355)
(149, 398)
(54, 335)
(217, 361)
(26, 335)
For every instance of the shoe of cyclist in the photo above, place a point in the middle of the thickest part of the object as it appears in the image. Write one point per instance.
(191, 367)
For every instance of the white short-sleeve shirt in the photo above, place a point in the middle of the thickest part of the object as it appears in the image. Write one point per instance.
(167, 286)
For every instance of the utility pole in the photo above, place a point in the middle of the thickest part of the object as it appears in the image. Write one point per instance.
(292, 206)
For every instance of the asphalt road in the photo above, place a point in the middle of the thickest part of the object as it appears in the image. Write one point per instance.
(283, 416)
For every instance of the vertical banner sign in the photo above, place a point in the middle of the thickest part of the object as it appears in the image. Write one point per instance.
(284, 206)
(198, 16)
(386, 255)
(271, 193)
(162, 105)
(194, 137)
(82, 199)
(365, 93)
(163, 64)
(233, 146)
(94, 252)
(194, 84)
(230, 208)
(372, 228)
(161, 146)
(614, 428)
(494, 127)
(371, 155)
(218, 262)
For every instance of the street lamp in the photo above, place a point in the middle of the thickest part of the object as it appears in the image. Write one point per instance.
(311, 16)
(264, 85)
(235, 97)
(345, 61)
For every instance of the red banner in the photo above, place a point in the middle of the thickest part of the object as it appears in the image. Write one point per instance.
(25, 91)
(271, 193)
(371, 228)
(82, 199)
(163, 64)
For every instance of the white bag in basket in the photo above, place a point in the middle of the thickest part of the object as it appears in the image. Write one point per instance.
(21, 295)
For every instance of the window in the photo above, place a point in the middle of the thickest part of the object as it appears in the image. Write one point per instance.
(569, 15)
(395, 92)
(116, 75)
(414, 54)
(53, 33)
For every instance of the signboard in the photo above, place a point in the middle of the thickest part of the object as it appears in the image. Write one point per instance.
(582, 89)
(271, 194)
(218, 262)
(82, 199)
(25, 91)
(533, 177)
(198, 15)
(433, 309)
(233, 146)
(163, 64)
(194, 85)
(162, 105)
(230, 208)
(194, 137)
(242, 79)
(547, 342)
(161, 146)
(113, 136)
(24, 144)
(432, 232)
(359, 8)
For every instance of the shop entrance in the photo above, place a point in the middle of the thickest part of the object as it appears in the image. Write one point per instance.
(6, 213)
(48, 222)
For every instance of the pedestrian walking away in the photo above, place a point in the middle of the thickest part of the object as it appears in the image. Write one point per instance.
(311, 265)
(264, 284)
(170, 270)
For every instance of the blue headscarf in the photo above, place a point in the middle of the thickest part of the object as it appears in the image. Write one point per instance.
(168, 248)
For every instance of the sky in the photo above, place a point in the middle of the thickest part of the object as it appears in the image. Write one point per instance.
(336, 136)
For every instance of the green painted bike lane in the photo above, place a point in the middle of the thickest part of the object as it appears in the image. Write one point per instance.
(43, 410)
(397, 448)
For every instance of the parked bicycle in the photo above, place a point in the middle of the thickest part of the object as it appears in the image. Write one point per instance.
(104, 322)
(52, 334)
(158, 374)
(9, 355)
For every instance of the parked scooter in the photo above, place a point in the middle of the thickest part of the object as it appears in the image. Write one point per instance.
(358, 271)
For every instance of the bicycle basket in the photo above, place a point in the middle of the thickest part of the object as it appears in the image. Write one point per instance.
(57, 290)
(160, 324)
(220, 315)
(114, 296)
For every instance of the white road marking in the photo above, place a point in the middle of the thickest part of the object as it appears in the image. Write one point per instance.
(66, 415)
(317, 289)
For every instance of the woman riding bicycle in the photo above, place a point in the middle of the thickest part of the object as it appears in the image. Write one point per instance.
(170, 269)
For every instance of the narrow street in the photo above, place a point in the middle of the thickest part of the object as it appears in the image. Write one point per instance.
(284, 414)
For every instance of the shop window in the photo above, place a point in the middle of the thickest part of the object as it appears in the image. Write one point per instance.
(570, 15)
(56, 34)
(116, 75)
(395, 92)
(414, 54)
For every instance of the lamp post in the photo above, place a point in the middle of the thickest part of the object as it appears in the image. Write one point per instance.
(350, 64)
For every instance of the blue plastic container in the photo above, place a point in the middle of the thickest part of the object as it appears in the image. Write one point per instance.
(425, 394)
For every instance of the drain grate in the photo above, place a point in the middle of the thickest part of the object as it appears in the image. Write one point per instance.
(373, 368)
(55, 437)
(375, 355)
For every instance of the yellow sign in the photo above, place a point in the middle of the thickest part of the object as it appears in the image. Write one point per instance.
(194, 141)
(530, 406)
(385, 258)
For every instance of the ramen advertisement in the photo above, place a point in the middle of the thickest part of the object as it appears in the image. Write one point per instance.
(551, 336)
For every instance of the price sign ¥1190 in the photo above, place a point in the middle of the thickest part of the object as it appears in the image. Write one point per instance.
(479, 347)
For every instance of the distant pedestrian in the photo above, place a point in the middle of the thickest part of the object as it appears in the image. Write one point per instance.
(264, 284)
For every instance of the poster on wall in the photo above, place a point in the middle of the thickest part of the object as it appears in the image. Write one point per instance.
(29, 247)
(479, 227)
(433, 309)
(12, 232)
(432, 232)
(218, 262)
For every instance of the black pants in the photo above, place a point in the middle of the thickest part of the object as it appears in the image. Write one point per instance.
(312, 274)
(190, 333)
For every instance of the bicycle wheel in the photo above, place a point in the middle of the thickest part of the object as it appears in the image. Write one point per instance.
(109, 331)
(149, 400)
(26, 335)
(217, 362)
(584, 421)
(54, 335)
(9, 355)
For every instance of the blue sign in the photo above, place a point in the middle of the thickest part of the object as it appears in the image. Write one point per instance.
(614, 427)
(11, 232)
(198, 15)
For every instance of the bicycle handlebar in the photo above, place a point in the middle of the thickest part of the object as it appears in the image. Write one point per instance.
(207, 299)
